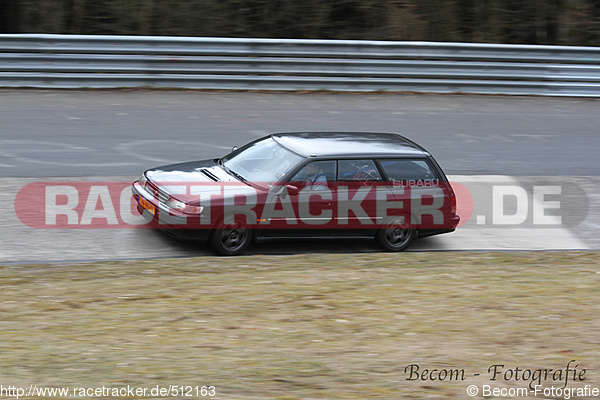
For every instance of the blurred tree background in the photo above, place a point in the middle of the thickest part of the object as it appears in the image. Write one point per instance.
(564, 22)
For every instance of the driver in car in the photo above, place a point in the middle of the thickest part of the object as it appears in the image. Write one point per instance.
(315, 178)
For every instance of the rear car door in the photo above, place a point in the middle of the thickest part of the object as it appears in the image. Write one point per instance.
(359, 192)
(415, 182)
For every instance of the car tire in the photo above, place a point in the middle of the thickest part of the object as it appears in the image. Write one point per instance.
(395, 234)
(230, 239)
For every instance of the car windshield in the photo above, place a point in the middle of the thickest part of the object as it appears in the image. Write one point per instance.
(263, 162)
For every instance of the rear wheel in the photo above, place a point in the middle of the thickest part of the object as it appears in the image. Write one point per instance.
(395, 234)
(230, 239)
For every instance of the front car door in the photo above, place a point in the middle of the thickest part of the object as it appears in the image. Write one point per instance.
(310, 211)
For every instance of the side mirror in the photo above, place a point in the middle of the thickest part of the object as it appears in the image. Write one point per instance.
(292, 190)
(234, 148)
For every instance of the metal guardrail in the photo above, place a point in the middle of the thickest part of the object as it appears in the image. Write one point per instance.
(67, 61)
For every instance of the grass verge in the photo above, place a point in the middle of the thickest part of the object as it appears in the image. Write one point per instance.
(300, 327)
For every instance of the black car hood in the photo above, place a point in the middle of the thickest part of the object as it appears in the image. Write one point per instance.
(193, 171)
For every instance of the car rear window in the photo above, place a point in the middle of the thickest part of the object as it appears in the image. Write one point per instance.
(407, 170)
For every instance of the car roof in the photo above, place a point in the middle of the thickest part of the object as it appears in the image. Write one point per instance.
(354, 144)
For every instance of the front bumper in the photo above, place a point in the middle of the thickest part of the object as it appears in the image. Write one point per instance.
(164, 219)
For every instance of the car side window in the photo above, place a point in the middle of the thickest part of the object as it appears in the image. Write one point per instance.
(315, 175)
(358, 170)
(408, 171)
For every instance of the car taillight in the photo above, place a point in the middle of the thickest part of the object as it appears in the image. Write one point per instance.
(453, 203)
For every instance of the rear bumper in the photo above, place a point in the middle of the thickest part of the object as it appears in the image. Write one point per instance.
(430, 232)
(448, 227)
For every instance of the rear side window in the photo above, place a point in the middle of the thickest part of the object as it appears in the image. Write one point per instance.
(409, 172)
(358, 170)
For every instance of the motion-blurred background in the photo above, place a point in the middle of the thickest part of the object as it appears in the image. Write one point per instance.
(560, 22)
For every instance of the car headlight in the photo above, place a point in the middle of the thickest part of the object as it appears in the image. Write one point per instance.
(183, 207)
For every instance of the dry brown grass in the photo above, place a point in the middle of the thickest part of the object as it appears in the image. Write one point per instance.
(300, 327)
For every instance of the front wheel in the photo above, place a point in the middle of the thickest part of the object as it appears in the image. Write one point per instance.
(230, 239)
(395, 234)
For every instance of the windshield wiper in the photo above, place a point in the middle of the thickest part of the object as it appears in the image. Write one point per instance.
(231, 172)
(241, 178)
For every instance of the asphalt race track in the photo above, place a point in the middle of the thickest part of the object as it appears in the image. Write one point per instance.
(482, 142)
